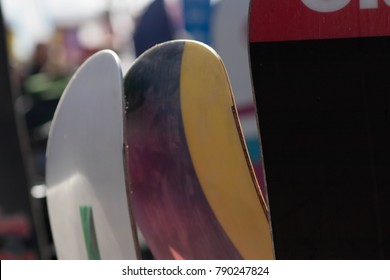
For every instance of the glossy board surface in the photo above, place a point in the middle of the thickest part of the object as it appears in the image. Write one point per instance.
(85, 175)
(195, 193)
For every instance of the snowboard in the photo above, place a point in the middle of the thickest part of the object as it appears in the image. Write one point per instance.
(86, 178)
(195, 193)
(319, 72)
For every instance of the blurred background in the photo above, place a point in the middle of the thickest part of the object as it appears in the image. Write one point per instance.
(42, 44)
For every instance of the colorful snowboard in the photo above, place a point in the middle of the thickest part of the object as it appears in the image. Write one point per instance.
(85, 174)
(320, 74)
(195, 193)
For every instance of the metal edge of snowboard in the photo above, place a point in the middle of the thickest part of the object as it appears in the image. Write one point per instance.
(229, 29)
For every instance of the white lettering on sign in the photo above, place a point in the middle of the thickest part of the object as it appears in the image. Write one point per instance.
(368, 4)
(327, 6)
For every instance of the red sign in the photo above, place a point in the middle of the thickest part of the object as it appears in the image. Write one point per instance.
(285, 20)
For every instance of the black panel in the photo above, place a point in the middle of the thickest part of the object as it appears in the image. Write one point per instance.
(15, 242)
(13, 182)
(323, 109)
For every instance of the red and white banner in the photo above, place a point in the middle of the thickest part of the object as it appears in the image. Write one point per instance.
(284, 20)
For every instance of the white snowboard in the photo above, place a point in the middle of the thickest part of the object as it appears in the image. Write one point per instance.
(85, 172)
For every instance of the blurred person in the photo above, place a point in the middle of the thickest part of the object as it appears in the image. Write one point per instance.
(39, 59)
(43, 85)
(162, 21)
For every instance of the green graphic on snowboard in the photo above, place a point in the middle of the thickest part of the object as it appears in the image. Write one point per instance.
(90, 239)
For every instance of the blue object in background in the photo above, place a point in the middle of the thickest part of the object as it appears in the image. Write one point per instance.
(197, 15)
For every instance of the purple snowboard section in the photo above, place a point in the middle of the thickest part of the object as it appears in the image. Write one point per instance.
(169, 204)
